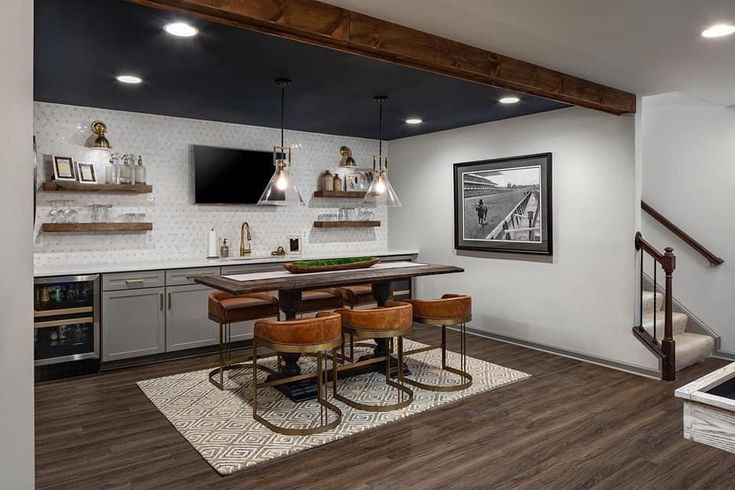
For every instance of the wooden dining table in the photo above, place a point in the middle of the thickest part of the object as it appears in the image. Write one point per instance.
(290, 287)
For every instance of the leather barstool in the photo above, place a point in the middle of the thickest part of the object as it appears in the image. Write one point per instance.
(450, 310)
(359, 295)
(320, 300)
(393, 320)
(226, 309)
(319, 336)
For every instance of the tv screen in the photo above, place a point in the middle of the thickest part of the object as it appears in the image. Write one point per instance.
(230, 176)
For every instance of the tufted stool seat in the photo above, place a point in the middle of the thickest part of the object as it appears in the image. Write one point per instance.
(359, 295)
(226, 309)
(450, 310)
(319, 336)
(393, 320)
(320, 300)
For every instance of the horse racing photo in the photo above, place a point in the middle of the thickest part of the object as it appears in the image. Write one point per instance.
(502, 205)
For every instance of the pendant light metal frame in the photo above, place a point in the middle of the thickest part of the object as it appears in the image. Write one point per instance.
(281, 180)
(381, 185)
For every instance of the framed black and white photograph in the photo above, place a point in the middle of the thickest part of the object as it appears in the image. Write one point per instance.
(64, 169)
(86, 173)
(504, 205)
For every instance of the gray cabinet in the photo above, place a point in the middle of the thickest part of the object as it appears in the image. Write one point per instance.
(133, 323)
(187, 323)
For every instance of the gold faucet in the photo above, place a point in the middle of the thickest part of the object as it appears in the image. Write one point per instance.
(245, 250)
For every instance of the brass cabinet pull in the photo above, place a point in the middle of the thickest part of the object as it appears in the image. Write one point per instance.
(128, 282)
(161, 301)
(170, 301)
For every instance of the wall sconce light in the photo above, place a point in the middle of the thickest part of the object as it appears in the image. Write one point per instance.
(98, 140)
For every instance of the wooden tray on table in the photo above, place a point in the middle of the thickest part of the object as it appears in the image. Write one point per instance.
(307, 266)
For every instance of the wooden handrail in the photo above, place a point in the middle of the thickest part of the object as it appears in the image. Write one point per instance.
(666, 349)
(713, 259)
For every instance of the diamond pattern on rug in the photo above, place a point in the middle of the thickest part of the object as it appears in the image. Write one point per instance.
(219, 424)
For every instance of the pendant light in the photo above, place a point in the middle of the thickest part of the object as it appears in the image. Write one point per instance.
(380, 191)
(281, 190)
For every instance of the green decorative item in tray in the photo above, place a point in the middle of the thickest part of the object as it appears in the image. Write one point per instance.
(342, 264)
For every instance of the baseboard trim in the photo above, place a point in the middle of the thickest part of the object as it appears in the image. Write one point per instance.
(598, 361)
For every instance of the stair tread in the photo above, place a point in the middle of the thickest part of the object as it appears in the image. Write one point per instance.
(680, 321)
(648, 302)
(692, 348)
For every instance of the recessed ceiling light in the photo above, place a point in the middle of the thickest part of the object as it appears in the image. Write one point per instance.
(414, 120)
(131, 79)
(719, 30)
(181, 29)
(509, 100)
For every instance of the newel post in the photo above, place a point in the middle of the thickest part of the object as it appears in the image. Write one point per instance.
(668, 372)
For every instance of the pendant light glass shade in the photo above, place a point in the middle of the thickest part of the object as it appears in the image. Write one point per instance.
(281, 189)
(381, 193)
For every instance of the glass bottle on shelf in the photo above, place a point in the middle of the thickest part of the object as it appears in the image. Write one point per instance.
(111, 170)
(140, 171)
(126, 170)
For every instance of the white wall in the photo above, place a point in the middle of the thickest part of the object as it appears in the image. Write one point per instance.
(688, 175)
(16, 216)
(583, 300)
(179, 226)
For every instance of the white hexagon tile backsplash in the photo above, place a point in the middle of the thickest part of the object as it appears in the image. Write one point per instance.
(179, 226)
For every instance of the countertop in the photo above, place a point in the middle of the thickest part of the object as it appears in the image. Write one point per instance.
(187, 263)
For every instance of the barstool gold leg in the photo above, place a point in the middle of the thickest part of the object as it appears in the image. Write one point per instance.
(221, 358)
(466, 378)
(255, 377)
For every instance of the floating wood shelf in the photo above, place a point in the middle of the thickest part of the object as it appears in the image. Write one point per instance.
(340, 194)
(79, 187)
(94, 227)
(346, 224)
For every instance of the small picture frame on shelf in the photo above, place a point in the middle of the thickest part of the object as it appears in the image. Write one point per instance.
(361, 179)
(63, 168)
(294, 246)
(86, 173)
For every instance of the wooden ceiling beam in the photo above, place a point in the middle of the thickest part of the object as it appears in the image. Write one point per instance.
(321, 24)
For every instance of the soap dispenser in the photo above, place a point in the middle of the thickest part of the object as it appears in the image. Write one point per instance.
(224, 250)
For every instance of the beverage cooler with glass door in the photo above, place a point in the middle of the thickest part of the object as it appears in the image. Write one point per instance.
(66, 334)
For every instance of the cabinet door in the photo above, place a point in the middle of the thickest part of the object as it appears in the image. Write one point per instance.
(133, 323)
(187, 321)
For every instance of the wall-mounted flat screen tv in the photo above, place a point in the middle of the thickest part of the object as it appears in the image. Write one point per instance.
(230, 176)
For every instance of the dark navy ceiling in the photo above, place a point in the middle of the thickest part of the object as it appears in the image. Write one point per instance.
(226, 74)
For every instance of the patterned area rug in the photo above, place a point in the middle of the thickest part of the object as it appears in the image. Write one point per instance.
(220, 426)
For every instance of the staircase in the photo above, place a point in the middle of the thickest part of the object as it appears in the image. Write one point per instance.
(690, 348)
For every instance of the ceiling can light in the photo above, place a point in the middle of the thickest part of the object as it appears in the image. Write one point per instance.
(414, 120)
(509, 100)
(719, 30)
(129, 79)
(181, 29)
(380, 191)
(281, 190)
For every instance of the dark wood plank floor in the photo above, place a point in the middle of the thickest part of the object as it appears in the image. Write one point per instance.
(572, 425)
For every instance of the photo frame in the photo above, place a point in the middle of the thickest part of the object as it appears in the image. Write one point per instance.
(294, 245)
(504, 205)
(359, 180)
(86, 173)
(64, 169)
